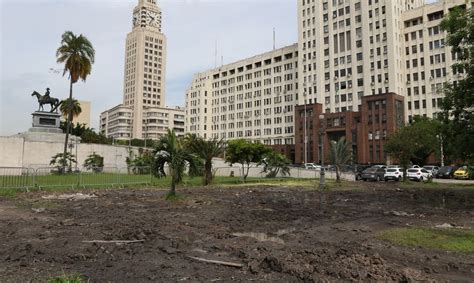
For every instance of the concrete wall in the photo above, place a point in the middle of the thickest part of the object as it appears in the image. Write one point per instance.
(17, 151)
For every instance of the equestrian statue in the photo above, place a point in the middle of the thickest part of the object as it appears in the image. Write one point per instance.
(46, 99)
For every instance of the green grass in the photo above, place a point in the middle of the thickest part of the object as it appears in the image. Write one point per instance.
(73, 278)
(456, 240)
(60, 183)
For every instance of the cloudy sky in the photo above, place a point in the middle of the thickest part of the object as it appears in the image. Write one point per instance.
(31, 32)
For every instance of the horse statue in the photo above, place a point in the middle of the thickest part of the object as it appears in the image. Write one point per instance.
(46, 99)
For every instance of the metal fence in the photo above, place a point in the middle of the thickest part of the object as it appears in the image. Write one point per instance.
(295, 172)
(11, 177)
(52, 177)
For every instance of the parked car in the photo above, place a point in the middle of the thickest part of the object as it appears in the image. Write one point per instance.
(358, 171)
(446, 172)
(379, 166)
(393, 174)
(462, 173)
(432, 169)
(373, 174)
(415, 166)
(309, 166)
(418, 174)
(317, 166)
(394, 167)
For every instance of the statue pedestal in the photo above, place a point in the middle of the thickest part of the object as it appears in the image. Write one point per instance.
(46, 122)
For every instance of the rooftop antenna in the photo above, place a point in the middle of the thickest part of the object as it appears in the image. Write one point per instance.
(215, 56)
(222, 61)
(274, 37)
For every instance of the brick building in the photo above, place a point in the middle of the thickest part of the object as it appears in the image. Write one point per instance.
(367, 130)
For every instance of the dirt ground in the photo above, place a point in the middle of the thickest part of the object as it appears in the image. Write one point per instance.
(276, 234)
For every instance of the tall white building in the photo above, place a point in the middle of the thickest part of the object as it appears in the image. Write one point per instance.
(349, 49)
(370, 63)
(144, 82)
(427, 59)
(253, 99)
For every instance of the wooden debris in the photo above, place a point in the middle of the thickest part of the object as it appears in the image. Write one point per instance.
(231, 264)
(113, 242)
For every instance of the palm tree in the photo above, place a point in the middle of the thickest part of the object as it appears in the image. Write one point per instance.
(77, 55)
(340, 155)
(70, 107)
(206, 150)
(172, 152)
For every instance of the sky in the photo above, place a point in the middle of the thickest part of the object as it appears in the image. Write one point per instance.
(31, 32)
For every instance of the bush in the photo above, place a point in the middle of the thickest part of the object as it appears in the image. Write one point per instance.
(94, 162)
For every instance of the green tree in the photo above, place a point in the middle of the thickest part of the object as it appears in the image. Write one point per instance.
(458, 105)
(414, 143)
(205, 150)
(61, 161)
(275, 163)
(400, 146)
(94, 162)
(245, 153)
(340, 155)
(171, 152)
(70, 108)
(77, 55)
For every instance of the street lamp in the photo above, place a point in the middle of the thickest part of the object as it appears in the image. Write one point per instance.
(440, 137)
(322, 181)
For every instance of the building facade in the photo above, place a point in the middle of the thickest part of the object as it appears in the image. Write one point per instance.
(352, 57)
(85, 116)
(427, 59)
(144, 82)
(252, 99)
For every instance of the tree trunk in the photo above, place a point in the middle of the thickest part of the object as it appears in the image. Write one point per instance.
(68, 126)
(208, 173)
(172, 192)
(338, 174)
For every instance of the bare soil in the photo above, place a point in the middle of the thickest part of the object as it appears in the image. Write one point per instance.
(277, 234)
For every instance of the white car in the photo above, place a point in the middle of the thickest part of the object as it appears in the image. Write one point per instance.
(415, 167)
(394, 174)
(432, 169)
(311, 166)
(418, 174)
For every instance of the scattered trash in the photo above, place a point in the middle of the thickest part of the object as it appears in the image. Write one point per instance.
(445, 226)
(261, 237)
(70, 197)
(39, 210)
(402, 213)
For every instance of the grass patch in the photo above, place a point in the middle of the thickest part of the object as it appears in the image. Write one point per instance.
(68, 182)
(73, 278)
(174, 198)
(455, 240)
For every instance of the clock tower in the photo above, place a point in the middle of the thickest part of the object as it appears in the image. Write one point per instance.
(147, 14)
(145, 64)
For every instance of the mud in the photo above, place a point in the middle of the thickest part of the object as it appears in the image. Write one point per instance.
(277, 234)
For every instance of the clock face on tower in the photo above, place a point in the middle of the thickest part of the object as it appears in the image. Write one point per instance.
(146, 18)
(136, 19)
(153, 19)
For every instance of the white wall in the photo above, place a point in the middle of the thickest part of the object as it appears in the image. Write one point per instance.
(20, 152)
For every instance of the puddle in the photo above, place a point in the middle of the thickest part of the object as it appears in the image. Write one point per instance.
(262, 237)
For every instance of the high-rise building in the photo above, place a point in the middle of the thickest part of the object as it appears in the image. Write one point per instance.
(365, 66)
(350, 49)
(143, 113)
(253, 99)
